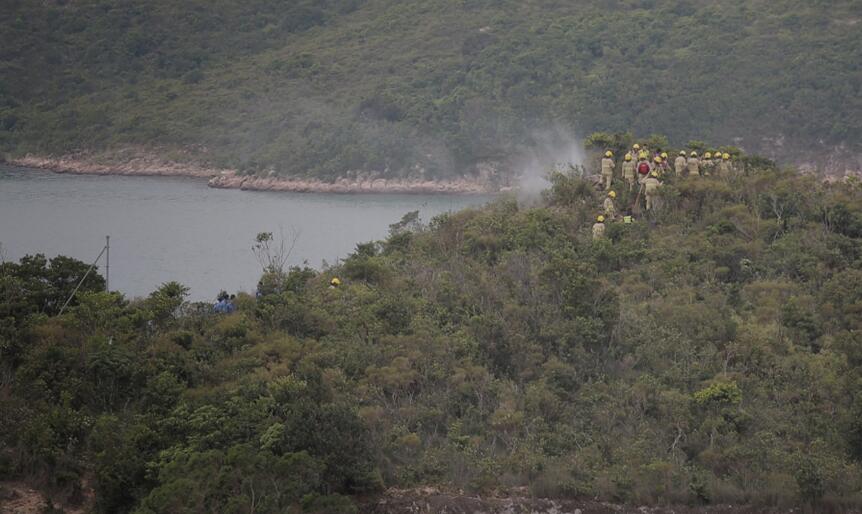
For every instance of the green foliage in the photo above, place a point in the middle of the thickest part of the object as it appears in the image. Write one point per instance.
(365, 264)
(569, 190)
(164, 302)
(329, 504)
(719, 394)
(809, 478)
(408, 223)
(619, 144)
(43, 285)
(34, 286)
(423, 88)
(708, 354)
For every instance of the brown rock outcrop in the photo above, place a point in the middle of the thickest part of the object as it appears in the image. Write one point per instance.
(144, 164)
(463, 185)
(137, 165)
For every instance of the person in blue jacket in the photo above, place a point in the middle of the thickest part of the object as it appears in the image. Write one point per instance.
(221, 306)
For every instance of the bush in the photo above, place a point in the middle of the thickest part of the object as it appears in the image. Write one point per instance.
(329, 504)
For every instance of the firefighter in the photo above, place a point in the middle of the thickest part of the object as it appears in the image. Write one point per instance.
(609, 207)
(679, 164)
(693, 165)
(659, 164)
(706, 164)
(651, 185)
(629, 171)
(599, 228)
(643, 169)
(726, 167)
(608, 169)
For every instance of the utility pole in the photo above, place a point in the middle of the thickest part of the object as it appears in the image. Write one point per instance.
(108, 264)
(63, 308)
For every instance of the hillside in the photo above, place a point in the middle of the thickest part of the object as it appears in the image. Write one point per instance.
(430, 89)
(708, 354)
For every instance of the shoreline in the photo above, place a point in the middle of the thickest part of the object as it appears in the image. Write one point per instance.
(138, 166)
(232, 180)
(148, 166)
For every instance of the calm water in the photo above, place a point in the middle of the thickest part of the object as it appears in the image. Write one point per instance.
(179, 229)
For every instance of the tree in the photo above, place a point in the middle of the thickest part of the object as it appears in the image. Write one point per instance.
(410, 222)
(165, 302)
(272, 254)
(708, 356)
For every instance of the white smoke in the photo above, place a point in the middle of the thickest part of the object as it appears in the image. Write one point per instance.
(556, 148)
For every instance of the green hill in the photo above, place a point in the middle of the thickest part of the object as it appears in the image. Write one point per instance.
(708, 354)
(323, 88)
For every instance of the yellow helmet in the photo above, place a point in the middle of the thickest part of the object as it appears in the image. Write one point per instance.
(682, 152)
(609, 154)
(335, 282)
(657, 159)
(726, 156)
(707, 155)
(664, 155)
(600, 219)
(636, 147)
(612, 194)
(628, 156)
(654, 174)
(694, 154)
(643, 155)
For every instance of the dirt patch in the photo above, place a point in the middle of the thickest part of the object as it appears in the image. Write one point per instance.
(17, 498)
(432, 501)
(21, 498)
(848, 22)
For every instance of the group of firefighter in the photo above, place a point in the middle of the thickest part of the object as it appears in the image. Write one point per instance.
(645, 173)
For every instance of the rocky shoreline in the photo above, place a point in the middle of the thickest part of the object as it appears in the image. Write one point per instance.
(145, 165)
(139, 166)
(231, 180)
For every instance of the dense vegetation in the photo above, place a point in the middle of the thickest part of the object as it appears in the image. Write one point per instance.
(322, 88)
(709, 353)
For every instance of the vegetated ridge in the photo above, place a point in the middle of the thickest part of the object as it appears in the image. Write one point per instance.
(709, 353)
(364, 90)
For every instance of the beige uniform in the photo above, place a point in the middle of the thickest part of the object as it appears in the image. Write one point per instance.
(706, 166)
(598, 231)
(629, 173)
(651, 185)
(679, 165)
(610, 208)
(725, 168)
(607, 172)
(693, 166)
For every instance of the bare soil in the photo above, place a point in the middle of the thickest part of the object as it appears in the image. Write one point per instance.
(432, 501)
(20, 498)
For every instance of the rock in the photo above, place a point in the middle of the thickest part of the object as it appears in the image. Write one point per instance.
(132, 162)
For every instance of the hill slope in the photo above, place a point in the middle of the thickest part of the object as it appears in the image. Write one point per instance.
(323, 88)
(709, 354)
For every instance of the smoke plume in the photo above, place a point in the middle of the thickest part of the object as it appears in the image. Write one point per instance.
(556, 148)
